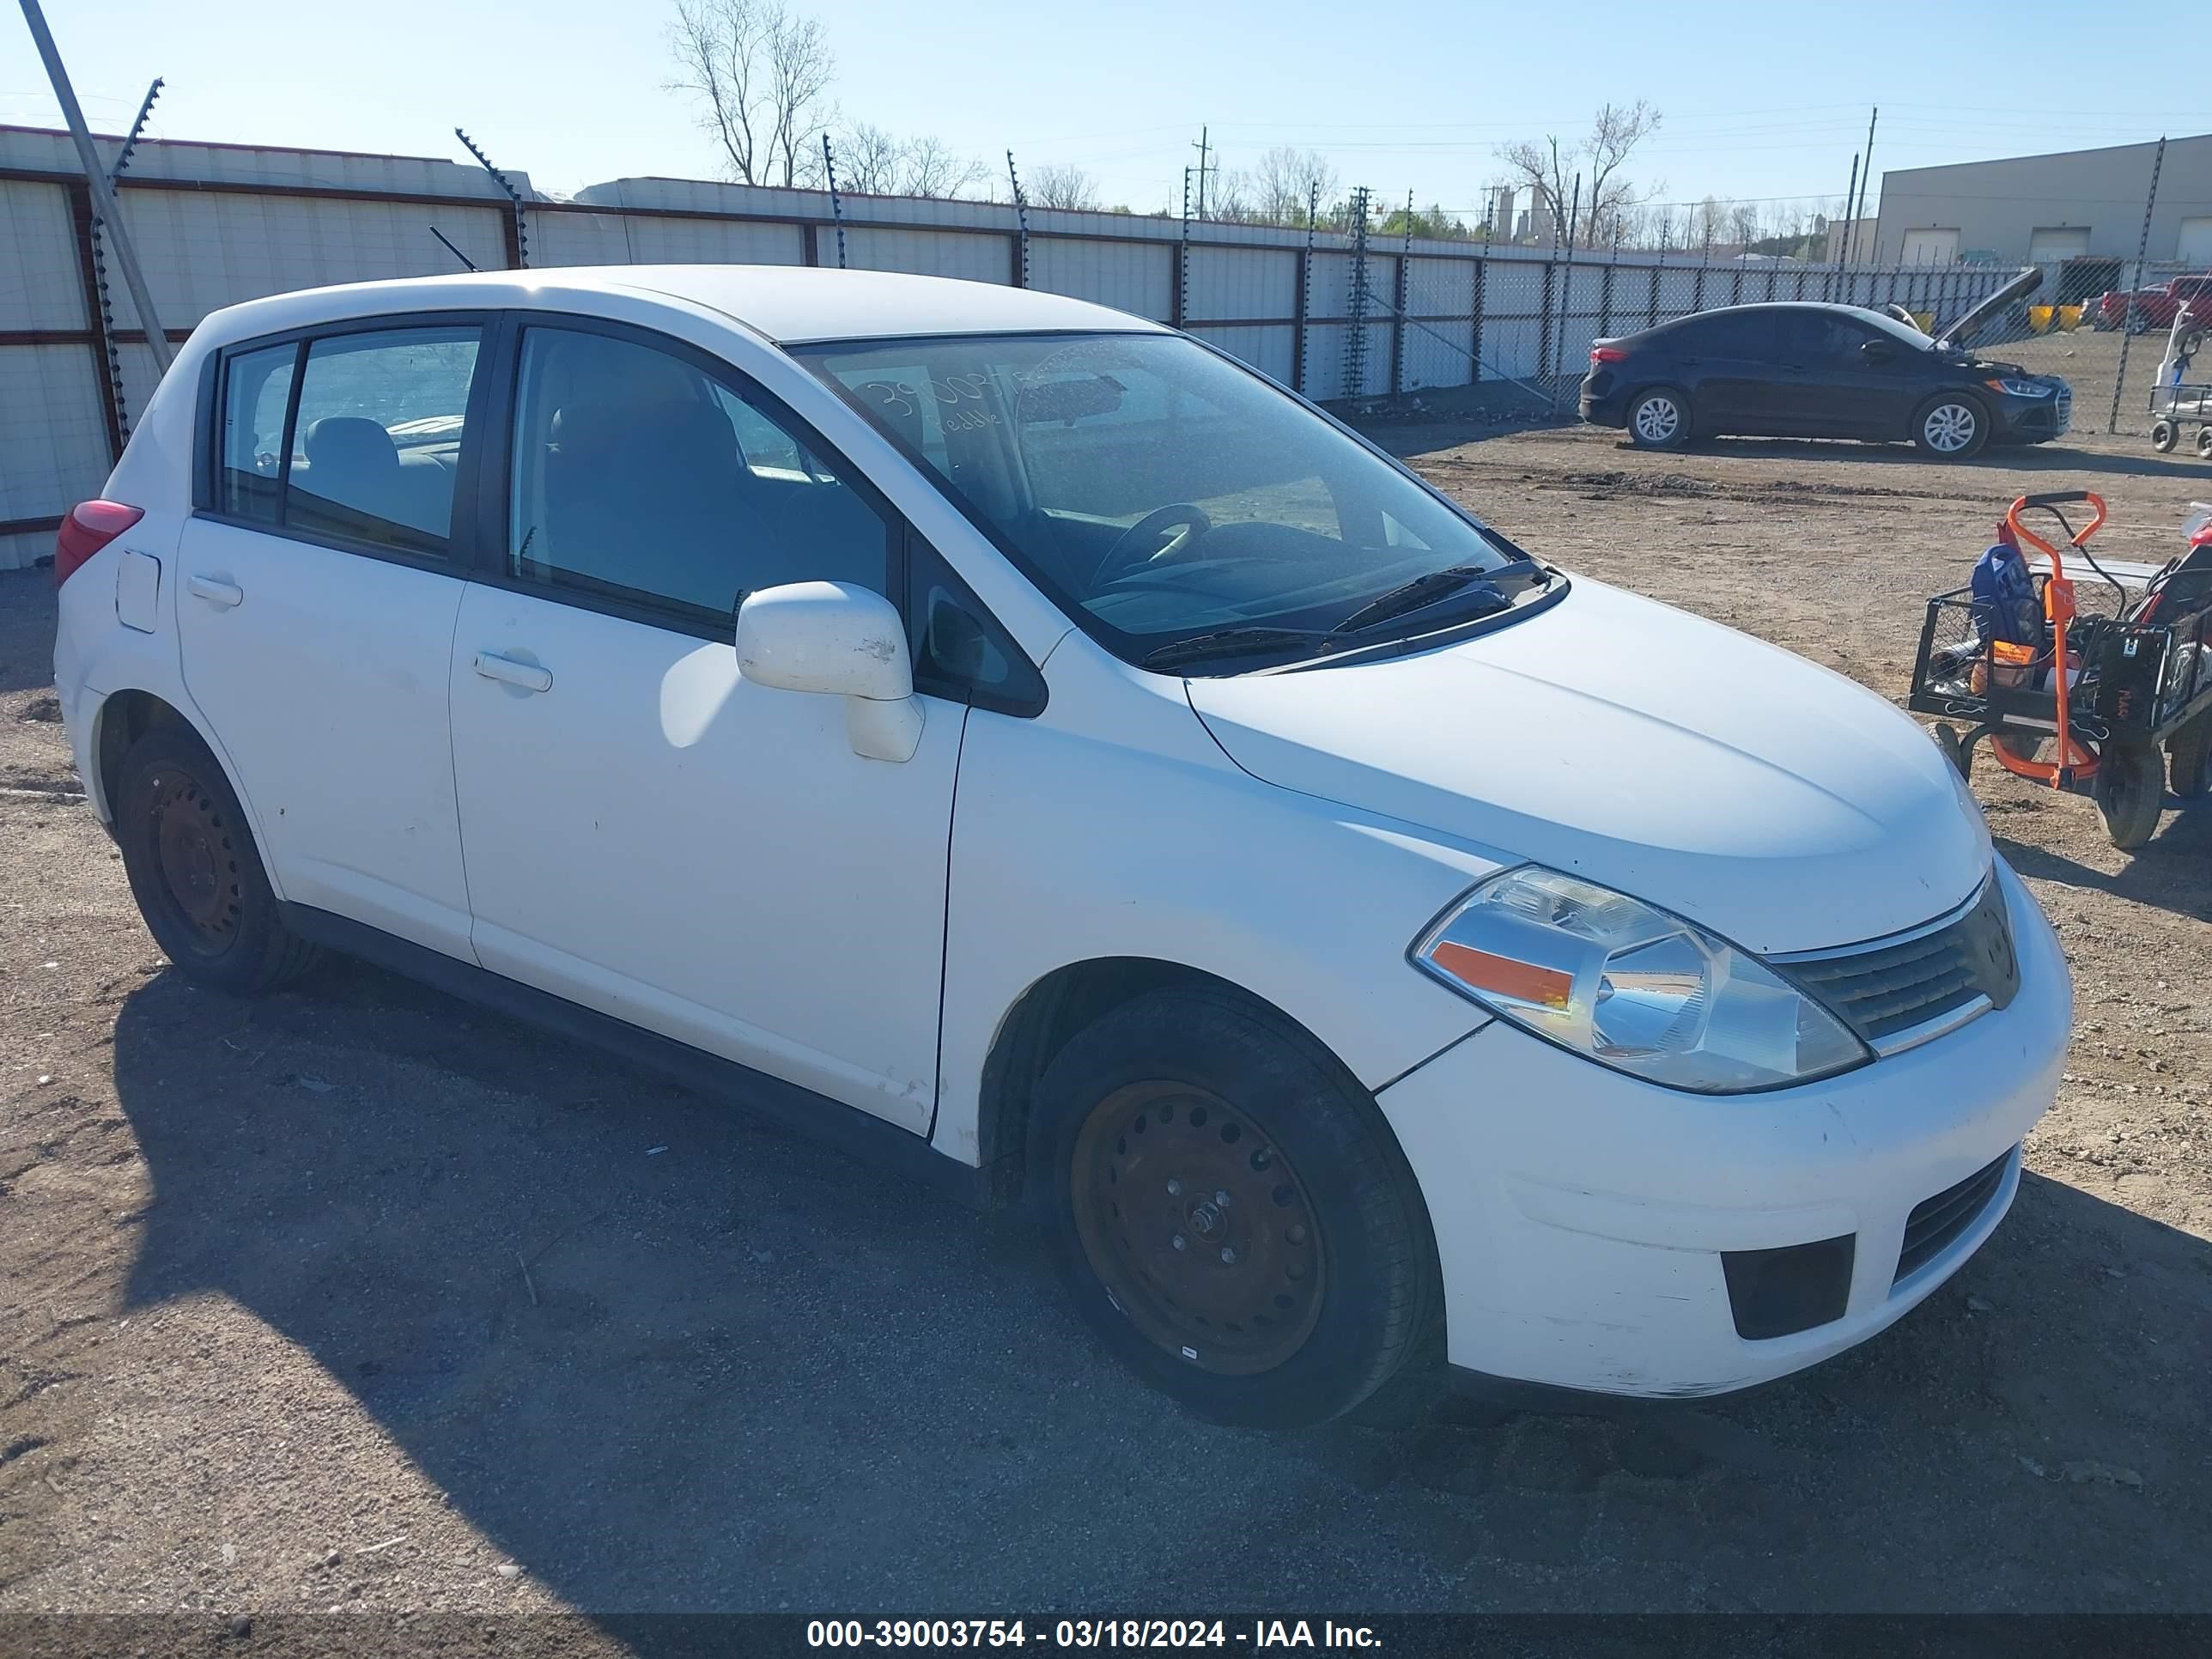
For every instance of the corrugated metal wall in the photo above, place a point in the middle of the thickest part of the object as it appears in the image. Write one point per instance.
(217, 224)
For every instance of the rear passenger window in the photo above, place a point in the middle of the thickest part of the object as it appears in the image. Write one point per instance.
(257, 391)
(377, 438)
(638, 477)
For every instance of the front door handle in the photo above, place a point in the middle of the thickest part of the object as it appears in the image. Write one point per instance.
(506, 669)
(229, 595)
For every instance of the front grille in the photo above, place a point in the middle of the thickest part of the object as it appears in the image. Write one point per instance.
(1937, 1221)
(2062, 407)
(1888, 992)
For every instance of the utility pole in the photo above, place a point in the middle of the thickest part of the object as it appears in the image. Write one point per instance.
(1866, 177)
(1202, 147)
(95, 178)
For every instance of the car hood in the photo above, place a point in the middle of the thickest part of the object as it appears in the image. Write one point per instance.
(2029, 279)
(1749, 790)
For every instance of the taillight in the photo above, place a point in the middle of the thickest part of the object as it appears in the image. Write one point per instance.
(1608, 355)
(89, 527)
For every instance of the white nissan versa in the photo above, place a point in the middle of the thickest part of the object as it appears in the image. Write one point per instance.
(1016, 736)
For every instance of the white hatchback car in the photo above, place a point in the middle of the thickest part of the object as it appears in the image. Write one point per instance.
(1014, 737)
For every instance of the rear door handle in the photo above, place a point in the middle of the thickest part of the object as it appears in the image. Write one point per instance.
(229, 595)
(506, 669)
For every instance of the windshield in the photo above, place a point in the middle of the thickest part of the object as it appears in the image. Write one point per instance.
(1160, 494)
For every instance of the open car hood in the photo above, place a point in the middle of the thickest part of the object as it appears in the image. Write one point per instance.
(2030, 279)
(1619, 739)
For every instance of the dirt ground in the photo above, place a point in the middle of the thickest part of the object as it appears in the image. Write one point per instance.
(357, 1300)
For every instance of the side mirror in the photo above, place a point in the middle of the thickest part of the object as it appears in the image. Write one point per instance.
(836, 639)
(1877, 351)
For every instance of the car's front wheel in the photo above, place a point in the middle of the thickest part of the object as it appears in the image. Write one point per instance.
(194, 869)
(1950, 426)
(1230, 1210)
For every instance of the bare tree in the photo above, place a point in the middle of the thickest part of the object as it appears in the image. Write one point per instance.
(757, 72)
(1286, 181)
(1058, 187)
(1546, 170)
(868, 160)
(929, 169)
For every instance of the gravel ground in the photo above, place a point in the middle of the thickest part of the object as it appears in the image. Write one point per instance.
(357, 1300)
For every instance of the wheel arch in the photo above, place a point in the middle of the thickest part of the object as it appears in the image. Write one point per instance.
(1050, 1012)
(121, 719)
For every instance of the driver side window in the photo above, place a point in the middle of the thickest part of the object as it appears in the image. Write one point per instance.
(641, 478)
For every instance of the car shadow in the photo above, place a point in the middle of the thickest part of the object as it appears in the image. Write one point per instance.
(669, 1359)
(2025, 458)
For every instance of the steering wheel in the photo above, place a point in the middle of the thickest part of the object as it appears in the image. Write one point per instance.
(1186, 513)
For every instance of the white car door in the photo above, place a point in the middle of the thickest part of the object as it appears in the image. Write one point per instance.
(315, 616)
(646, 833)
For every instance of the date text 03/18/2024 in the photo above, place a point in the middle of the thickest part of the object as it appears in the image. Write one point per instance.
(1081, 1633)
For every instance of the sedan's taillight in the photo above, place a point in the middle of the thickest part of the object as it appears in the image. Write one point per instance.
(1608, 355)
(89, 527)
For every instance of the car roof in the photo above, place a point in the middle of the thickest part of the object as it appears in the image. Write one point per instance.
(789, 304)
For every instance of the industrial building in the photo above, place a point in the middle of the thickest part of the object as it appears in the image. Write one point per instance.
(2083, 205)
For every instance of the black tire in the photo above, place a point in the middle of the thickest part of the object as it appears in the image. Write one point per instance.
(2189, 759)
(2205, 443)
(194, 869)
(1659, 418)
(1298, 1298)
(1956, 751)
(2164, 434)
(2128, 787)
(1951, 426)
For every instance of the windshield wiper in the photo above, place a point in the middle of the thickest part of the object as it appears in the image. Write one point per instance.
(1232, 642)
(1423, 591)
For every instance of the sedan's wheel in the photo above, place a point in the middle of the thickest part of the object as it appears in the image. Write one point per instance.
(2128, 787)
(1951, 428)
(1201, 1232)
(194, 870)
(1660, 419)
(1230, 1209)
(2163, 436)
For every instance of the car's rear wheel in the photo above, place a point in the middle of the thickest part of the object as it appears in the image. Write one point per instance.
(194, 870)
(1230, 1211)
(1659, 419)
(1950, 426)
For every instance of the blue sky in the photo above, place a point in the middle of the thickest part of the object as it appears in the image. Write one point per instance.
(1760, 100)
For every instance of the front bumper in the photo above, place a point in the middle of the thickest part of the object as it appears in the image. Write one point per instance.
(2033, 420)
(1584, 1220)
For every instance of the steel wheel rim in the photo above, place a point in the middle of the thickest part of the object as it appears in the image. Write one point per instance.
(197, 861)
(1949, 428)
(1154, 1162)
(1657, 419)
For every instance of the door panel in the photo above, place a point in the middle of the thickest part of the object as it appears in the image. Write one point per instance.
(322, 672)
(322, 675)
(646, 832)
(654, 837)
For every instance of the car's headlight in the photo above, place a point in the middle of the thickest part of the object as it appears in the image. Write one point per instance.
(2024, 388)
(1623, 983)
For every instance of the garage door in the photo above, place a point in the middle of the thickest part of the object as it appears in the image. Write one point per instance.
(2047, 246)
(2196, 248)
(1931, 247)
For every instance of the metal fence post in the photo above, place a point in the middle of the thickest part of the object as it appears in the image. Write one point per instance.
(1481, 286)
(1355, 339)
(2142, 253)
(1305, 289)
(1402, 291)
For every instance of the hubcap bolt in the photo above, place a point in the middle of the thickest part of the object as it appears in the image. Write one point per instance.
(1229, 1255)
(1180, 1242)
(1222, 1199)
(1174, 1189)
